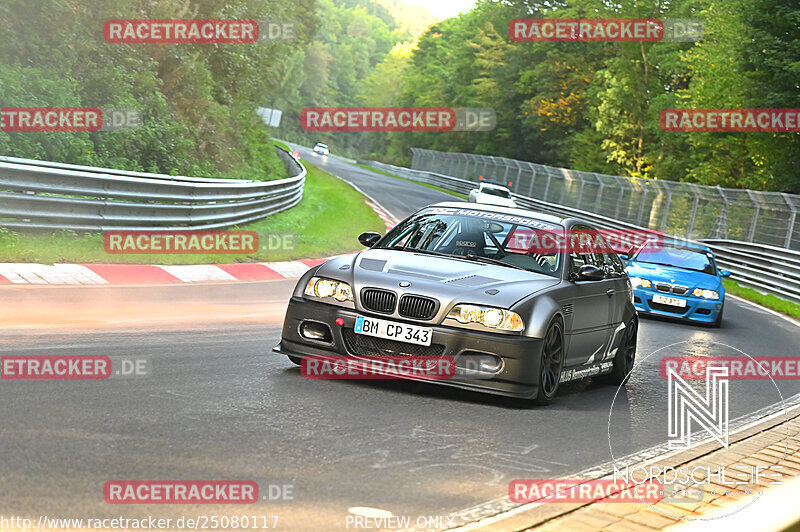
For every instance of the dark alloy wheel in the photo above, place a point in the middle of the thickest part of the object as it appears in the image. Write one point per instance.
(552, 362)
(626, 354)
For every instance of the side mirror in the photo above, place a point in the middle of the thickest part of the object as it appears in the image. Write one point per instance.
(369, 239)
(589, 272)
(724, 273)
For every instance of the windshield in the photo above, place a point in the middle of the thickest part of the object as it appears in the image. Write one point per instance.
(678, 257)
(499, 192)
(476, 235)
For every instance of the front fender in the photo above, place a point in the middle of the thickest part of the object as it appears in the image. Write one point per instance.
(538, 312)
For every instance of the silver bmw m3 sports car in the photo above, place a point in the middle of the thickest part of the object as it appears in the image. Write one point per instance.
(465, 281)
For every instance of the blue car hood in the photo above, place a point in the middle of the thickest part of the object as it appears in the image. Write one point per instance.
(667, 274)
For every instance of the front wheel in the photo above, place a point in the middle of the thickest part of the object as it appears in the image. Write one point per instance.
(717, 323)
(551, 363)
(626, 355)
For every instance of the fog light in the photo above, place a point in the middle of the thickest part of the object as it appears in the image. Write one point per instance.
(312, 330)
(482, 362)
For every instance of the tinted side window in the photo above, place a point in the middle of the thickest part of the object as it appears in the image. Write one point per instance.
(614, 264)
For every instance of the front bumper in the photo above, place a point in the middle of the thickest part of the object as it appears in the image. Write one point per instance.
(697, 309)
(517, 376)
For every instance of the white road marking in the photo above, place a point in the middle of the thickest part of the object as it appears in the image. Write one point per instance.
(82, 274)
(198, 273)
(291, 270)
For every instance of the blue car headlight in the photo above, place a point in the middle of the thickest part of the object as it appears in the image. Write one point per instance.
(637, 282)
(705, 293)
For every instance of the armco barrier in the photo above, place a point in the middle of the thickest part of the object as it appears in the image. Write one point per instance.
(683, 209)
(46, 195)
(769, 269)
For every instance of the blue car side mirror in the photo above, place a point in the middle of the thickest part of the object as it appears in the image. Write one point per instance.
(724, 273)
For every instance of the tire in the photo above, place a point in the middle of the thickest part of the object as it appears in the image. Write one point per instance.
(626, 355)
(295, 360)
(717, 323)
(551, 363)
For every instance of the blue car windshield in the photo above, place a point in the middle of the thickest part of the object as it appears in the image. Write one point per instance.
(678, 257)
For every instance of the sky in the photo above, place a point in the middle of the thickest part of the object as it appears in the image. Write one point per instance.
(444, 8)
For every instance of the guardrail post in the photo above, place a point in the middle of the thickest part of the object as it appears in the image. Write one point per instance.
(580, 192)
(621, 197)
(547, 186)
(599, 195)
(792, 219)
(564, 187)
(641, 206)
(666, 210)
(757, 205)
(533, 178)
(694, 210)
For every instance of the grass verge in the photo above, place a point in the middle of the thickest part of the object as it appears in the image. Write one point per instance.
(281, 145)
(766, 300)
(434, 187)
(326, 222)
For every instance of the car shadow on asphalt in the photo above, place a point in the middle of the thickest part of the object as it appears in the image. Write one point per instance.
(409, 387)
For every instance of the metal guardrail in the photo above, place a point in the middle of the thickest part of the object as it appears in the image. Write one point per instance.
(765, 268)
(769, 269)
(46, 195)
(677, 208)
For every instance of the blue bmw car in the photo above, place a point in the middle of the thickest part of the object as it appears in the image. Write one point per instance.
(678, 280)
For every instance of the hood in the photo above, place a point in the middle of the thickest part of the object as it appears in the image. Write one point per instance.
(450, 281)
(668, 274)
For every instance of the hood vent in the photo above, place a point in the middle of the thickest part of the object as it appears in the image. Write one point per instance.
(472, 280)
(414, 274)
(373, 265)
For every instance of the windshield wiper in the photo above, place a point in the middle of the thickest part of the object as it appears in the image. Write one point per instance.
(480, 258)
(672, 266)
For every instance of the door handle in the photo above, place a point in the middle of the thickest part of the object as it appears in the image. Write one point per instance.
(610, 292)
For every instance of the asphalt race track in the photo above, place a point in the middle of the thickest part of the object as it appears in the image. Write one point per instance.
(218, 404)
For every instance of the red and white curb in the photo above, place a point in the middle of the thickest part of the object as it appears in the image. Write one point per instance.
(383, 215)
(132, 274)
(129, 274)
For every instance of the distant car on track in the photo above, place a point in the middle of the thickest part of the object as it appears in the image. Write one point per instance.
(321, 149)
(462, 281)
(490, 194)
(678, 280)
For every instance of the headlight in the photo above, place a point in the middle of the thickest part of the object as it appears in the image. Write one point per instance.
(324, 288)
(706, 294)
(638, 281)
(493, 318)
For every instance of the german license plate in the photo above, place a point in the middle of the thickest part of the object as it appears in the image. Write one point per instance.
(391, 330)
(672, 301)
